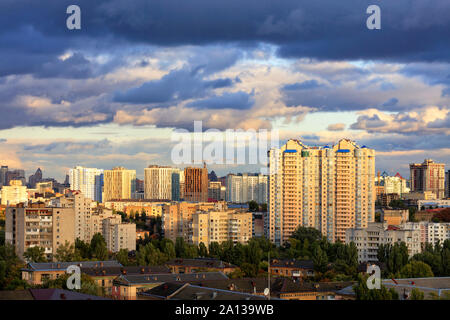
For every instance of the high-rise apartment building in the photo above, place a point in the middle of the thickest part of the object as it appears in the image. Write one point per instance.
(428, 176)
(119, 183)
(14, 193)
(331, 189)
(162, 183)
(221, 226)
(242, 188)
(196, 184)
(89, 181)
(37, 225)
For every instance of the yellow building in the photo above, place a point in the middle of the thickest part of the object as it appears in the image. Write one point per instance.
(177, 217)
(119, 183)
(221, 226)
(327, 188)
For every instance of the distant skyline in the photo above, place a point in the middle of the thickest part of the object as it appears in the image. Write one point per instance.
(112, 93)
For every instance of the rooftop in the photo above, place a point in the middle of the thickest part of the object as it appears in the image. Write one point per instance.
(164, 277)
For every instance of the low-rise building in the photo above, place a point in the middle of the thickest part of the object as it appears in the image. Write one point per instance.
(127, 287)
(394, 216)
(36, 273)
(368, 240)
(292, 268)
(181, 266)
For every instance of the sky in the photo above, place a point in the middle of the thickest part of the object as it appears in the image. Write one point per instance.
(113, 92)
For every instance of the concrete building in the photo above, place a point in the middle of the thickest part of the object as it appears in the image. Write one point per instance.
(221, 226)
(331, 189)
(162, 183)
(124, 204)
(38, 225)
(368, 240)
(119, 183)
(17, 174)
(177, 217)
(119, 235)
(196, 184)
(428, 176)
(242, 188)
(14, 193)
(430, 232)
(87, 180)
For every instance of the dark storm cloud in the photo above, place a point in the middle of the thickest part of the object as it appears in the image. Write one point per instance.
(324, 29)
(178, 85)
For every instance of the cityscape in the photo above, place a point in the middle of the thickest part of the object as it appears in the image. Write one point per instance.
(314, 224)
(212, 153)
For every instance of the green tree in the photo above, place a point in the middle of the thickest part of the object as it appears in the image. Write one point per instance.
(319, 258)
(97, 248)
(35, 254)
(122, 257)
(416, 269)
(65, 252)
(202, 250)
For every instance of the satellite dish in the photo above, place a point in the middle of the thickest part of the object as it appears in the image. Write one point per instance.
(266, 291)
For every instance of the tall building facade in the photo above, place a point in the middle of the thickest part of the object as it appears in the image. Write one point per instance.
(245, 187)
(162, 183)
(89, 181)
(428, 176)
(331, 189)
(37, 225)
(196, 184)
(119, 183)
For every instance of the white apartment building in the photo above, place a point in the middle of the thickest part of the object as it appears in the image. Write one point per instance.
(368, 240)
(243, 188)
(87, 180)
(430, 232)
